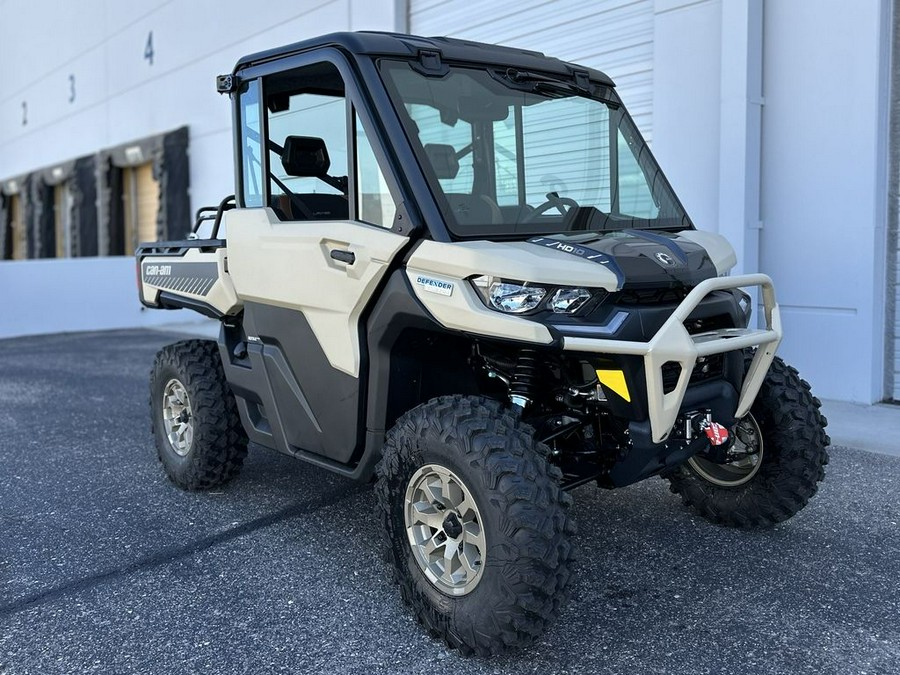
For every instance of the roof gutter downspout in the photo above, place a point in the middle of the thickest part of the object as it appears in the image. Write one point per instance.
(740, 135)
(891, 88)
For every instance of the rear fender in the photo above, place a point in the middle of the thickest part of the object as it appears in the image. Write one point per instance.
(172, 276)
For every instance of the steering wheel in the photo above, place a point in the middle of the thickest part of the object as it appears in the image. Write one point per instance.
(554, 201)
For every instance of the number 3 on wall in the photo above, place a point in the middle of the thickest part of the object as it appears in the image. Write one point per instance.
(148, 48)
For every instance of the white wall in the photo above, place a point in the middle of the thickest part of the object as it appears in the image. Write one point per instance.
(686, 102)
(120, 96)
(813, 178)
(78, 294)
(823, 189)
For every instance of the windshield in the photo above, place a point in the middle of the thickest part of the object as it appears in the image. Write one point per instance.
(519, 154)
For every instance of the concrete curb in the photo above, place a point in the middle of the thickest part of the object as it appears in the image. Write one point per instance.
(875, 428)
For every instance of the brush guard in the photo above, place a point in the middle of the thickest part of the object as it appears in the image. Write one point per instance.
(673, 343)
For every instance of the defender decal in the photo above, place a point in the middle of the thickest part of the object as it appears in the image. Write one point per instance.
(434, 285)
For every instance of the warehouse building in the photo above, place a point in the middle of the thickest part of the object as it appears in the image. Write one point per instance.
(775, 120)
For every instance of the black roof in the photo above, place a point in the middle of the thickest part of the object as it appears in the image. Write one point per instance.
(372, 43)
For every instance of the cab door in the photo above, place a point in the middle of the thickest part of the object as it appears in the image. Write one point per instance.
(306, 255)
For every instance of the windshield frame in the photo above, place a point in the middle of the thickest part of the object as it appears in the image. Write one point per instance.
(549, 86)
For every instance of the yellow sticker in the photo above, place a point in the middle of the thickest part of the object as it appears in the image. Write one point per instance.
(614, 380)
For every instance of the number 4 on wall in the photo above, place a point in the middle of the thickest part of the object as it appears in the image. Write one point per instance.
(148, 48)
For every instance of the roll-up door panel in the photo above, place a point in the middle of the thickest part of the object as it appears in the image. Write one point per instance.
(147, 202)
(17, 227)
(140, 197)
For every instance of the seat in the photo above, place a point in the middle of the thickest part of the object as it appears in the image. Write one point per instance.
(473, 209)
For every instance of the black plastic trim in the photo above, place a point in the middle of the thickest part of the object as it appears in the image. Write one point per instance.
(171, 301)
(396, 311)
(311, 407)
(646, 458)
(177, 247)
(375, 43)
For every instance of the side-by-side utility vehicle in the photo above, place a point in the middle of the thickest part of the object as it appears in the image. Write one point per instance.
(456, 268)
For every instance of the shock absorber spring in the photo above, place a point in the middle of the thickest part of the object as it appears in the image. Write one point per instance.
(521, 387)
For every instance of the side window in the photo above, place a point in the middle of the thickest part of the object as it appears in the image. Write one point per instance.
(307, 143)
(375, 204)
(251, 169)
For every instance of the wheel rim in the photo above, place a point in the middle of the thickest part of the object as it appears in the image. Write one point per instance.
(748, 446)
(445, 530)
(177, 417)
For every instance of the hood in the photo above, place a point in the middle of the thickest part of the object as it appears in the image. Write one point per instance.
(612, 260)
(642, 259)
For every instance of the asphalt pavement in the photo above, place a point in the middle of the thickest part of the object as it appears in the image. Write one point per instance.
(106, 567)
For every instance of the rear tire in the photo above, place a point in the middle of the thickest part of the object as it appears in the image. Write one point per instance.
(792, 460)
(198, 433)
(468, 456)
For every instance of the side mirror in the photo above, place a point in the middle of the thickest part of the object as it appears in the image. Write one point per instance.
(305, 157)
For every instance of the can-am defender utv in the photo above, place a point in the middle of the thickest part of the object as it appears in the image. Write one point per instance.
(457, 268)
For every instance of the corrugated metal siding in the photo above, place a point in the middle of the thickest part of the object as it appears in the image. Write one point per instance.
(615, 36)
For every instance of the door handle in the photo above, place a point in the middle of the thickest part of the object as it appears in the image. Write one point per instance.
(346, 257)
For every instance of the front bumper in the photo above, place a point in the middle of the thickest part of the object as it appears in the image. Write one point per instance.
(673, 343)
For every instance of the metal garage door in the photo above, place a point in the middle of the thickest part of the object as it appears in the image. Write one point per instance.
(615, 36)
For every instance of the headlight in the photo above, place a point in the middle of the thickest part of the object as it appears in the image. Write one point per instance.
(517, 297)
(568, 300)
(509, 296)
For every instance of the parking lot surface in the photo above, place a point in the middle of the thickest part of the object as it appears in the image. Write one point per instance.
(105, 567)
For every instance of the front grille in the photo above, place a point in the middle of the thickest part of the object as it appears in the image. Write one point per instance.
(707, 368)
(706, 324)
(651, 296)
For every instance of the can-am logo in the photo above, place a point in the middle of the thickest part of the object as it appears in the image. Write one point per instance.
(666, 260)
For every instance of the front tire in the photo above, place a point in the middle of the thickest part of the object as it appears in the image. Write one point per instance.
(198, 433)
(476, 524)
(786, 429)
